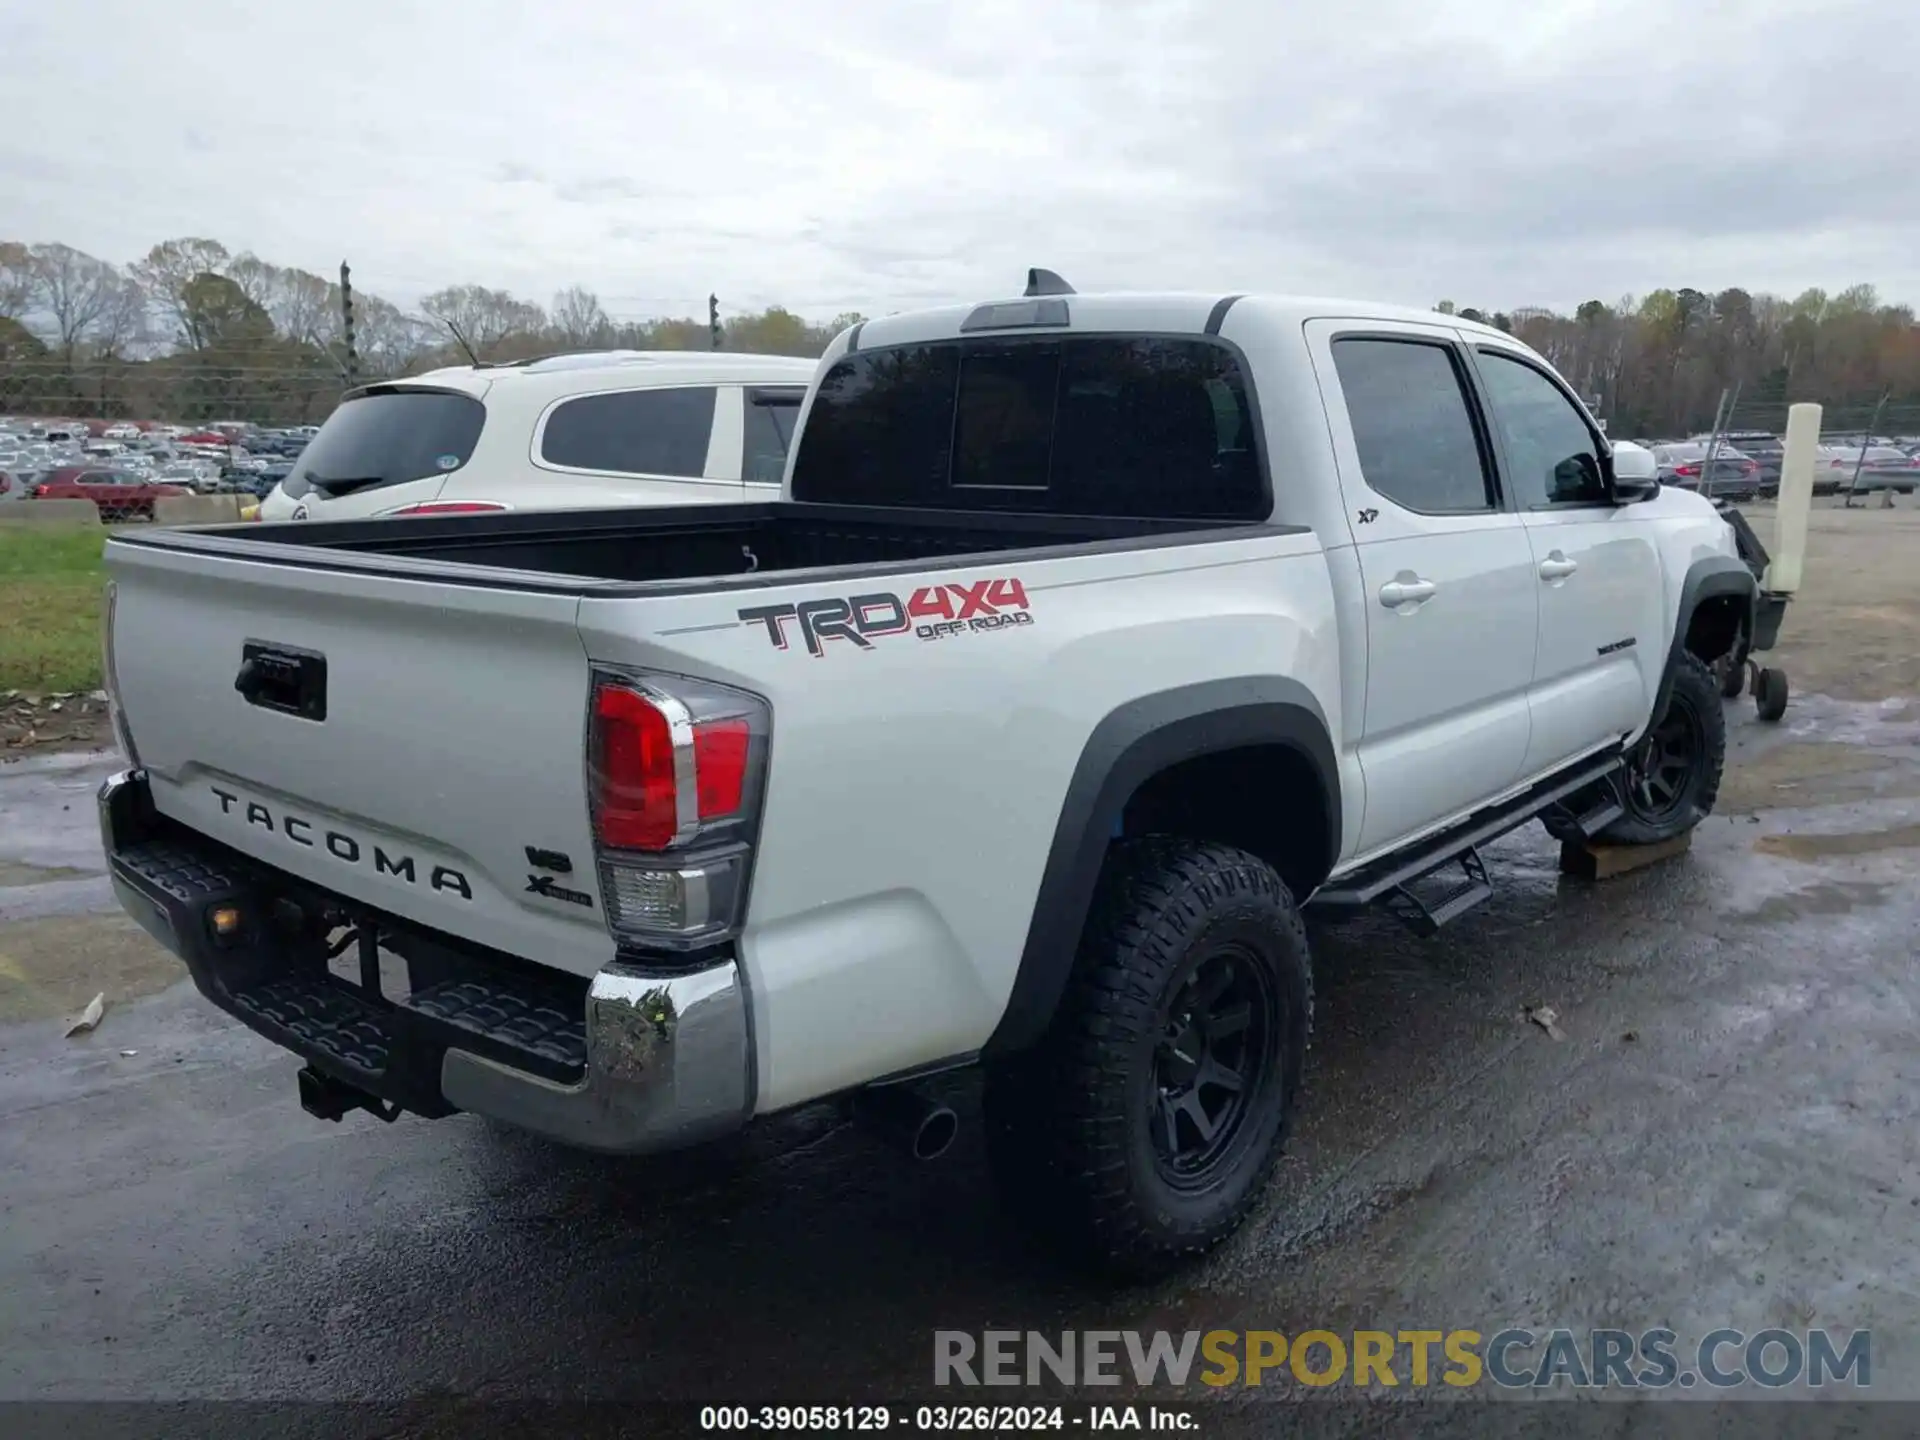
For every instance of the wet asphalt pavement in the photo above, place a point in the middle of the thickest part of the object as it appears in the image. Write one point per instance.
(1724, 1136)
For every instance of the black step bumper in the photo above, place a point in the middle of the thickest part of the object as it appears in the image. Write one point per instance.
(631, 1061)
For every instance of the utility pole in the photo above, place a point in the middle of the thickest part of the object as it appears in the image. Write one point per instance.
(346, 325)
(713, 321)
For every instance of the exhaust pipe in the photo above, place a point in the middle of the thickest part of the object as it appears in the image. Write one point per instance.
(909, 1119)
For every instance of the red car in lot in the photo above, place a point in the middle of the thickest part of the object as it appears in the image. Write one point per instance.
(117, 494)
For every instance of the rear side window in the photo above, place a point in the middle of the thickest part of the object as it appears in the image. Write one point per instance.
(1093, 425)
(770, 418)
(633, 432)
(387, 438)
(1411, 425)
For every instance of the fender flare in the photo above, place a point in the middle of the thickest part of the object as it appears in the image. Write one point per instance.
(1707, 578)
(1133, 743)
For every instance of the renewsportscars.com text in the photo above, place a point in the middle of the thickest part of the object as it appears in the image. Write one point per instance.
(1654, 1359)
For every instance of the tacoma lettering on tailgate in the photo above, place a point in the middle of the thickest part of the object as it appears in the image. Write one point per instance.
(933, 612)
(343, 847)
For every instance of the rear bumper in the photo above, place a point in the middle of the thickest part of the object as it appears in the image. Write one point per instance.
(631, 1062)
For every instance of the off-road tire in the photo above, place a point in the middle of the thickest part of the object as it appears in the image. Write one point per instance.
(1693, 704)
(1072, 1123)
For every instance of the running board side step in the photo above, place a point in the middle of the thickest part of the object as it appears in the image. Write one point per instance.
(1390, 880)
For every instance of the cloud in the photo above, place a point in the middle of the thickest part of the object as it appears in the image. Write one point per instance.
(835, 154)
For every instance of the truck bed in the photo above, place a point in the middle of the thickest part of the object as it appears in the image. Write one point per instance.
(667, 549)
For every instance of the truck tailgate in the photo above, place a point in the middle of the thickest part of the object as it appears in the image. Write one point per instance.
(450, 741)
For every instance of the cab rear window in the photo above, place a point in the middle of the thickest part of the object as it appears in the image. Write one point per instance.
(1140, 426)
(388, 437)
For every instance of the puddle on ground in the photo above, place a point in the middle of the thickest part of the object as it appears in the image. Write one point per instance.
(1847, 842)
(14, 875)
(1829, 898)
(52, 967)
(1800, 772)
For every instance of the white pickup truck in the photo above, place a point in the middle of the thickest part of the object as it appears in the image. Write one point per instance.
(1091, 638)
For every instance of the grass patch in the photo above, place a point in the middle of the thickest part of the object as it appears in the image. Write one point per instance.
(51, 579)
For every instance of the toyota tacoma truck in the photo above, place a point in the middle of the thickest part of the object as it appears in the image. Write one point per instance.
(1090, 639)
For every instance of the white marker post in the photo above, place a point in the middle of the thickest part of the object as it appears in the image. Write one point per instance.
(1796, 500)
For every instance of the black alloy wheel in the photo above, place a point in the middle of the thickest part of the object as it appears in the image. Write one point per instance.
(1664, 766)
(1212, 1066)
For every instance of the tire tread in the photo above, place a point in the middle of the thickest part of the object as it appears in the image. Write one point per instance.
(1058, 1113)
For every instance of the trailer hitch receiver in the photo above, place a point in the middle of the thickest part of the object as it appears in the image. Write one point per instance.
(326, 1098)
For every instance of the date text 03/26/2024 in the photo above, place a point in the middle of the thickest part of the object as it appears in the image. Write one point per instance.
(941, 1419)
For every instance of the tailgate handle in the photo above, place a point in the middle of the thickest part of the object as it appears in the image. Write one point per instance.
(280, 677)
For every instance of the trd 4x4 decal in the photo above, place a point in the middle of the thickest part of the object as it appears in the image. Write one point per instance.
(933, 612)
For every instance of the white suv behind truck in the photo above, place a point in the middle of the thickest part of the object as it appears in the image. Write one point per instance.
(568, 432)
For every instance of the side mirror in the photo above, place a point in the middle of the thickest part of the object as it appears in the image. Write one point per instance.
(1634, 486)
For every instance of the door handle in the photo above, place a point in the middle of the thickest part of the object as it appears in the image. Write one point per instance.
(1557, 567)
(1409, 591)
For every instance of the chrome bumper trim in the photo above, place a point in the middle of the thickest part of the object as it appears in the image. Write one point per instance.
(669, 1064)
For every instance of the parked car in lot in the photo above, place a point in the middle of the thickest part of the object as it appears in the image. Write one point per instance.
(1864, 467)
(202, 477)
(1764, 449)
(1089, 638)
(118, 494)
(1735, 476)
(566, 432)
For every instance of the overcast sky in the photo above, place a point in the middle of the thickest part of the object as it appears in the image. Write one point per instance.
(875, 154)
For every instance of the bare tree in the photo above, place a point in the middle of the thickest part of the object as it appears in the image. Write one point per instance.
(77, 290)
(388, 339)
(579, 319)
(304, 307)
(257, 279)
(485, 317)
(168, 271)
(19, 284)
(124, 320)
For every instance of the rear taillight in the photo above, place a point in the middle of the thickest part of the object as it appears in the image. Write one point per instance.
(1686, 469)
(447, 507)
(41, 492)
(1748, 468)
(675, 770)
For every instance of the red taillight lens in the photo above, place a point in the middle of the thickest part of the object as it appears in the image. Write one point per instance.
(41, 492)
(636, 791)
(720, 749)
(665, 767)
(447, 507)
(1686, 469)
(1749, 468)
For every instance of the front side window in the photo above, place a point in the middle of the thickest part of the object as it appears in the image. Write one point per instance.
(1551, 454)
(1411, 425)
(1145, 426)
(633, 432)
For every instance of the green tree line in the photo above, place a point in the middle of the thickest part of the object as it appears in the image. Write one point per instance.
(1661, 364)
(191, 331)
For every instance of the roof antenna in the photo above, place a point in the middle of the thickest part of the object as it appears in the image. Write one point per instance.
(1045, 282)
(463, 343)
